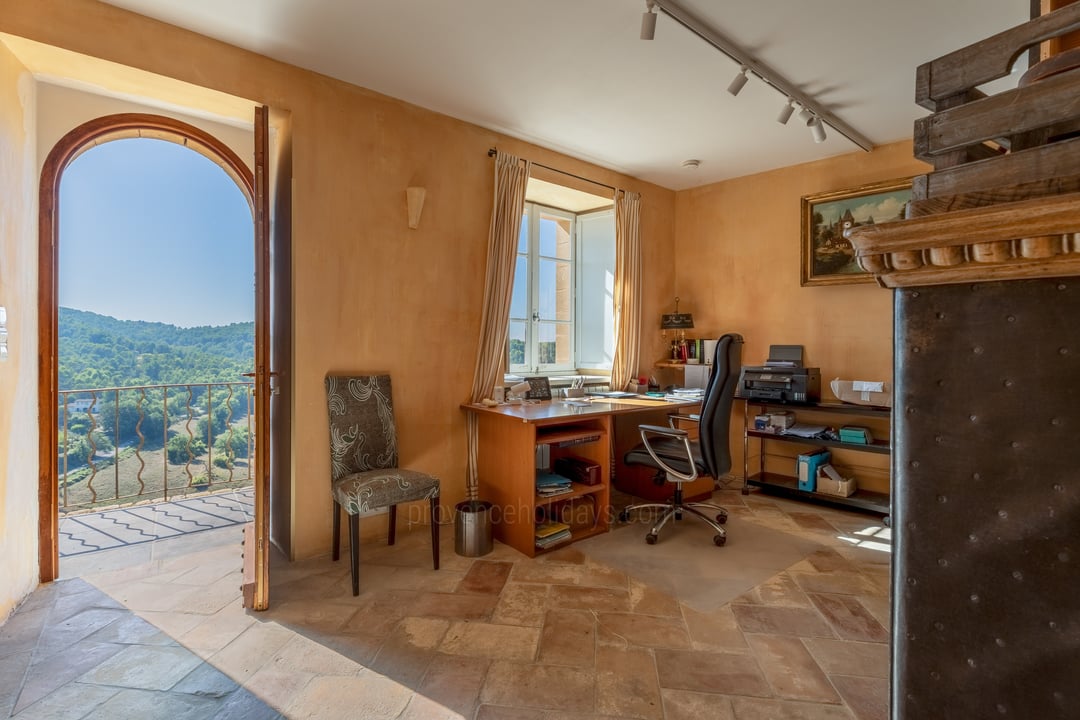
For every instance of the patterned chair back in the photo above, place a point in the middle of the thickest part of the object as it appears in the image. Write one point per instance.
(362, 432)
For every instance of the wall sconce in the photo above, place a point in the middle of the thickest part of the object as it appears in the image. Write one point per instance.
(414, 199)
(680, 322)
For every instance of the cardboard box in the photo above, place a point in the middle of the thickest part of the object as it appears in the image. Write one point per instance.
(807, 466)
(862, 392)
(781, 419)
(830, 482)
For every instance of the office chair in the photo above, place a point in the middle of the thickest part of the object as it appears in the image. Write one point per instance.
(682, 459)
(364, 458)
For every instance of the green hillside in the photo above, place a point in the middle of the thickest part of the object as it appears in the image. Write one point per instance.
(100, 351)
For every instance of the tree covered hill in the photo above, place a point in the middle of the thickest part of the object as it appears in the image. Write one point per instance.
(100, 351)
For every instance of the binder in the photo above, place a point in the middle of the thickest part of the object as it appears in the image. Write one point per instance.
(808, 464)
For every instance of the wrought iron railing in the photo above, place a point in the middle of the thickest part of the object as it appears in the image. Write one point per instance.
(118, 432)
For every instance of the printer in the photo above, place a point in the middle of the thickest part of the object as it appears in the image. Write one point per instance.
(782, 378)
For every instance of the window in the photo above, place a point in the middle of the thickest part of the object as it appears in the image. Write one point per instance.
(561, 305)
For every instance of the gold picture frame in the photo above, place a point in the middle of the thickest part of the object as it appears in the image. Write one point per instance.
(827, 257)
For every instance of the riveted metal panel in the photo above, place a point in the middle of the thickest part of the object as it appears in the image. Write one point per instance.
(986, 501)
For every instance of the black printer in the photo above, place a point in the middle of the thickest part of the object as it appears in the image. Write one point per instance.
(782, 378)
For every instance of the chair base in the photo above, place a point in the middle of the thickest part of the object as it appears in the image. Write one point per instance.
(675, 508)
(354, 539)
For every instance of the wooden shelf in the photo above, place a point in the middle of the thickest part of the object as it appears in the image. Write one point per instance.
(878, 446)
(579, 490)
(564, 434)
(841, 408)
(789, 487)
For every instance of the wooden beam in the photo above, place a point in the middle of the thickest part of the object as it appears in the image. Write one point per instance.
(1035, 164)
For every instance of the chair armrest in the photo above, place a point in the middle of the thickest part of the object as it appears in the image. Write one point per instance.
(676, 434)
(676, 417)
(661, 430)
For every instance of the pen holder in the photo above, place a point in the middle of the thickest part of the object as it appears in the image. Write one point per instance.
(575, 392)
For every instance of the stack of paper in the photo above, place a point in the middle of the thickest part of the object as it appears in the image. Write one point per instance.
(548, 484)
(551, 533)
(684, 394)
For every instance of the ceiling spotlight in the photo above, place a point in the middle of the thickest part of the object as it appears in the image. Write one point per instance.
(648, 21)
(805, 115)
(785, 112)
(740, 80)
(817, 129)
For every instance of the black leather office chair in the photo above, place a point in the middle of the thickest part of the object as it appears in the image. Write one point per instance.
(682, 459)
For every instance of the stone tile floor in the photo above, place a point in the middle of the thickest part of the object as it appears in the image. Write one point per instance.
(561, 637)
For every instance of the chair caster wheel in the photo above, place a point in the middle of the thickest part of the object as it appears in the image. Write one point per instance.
(721, 517)
(624, 515)
(651, 538)
(719, 540)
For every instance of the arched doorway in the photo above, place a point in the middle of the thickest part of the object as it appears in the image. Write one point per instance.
(74, 143)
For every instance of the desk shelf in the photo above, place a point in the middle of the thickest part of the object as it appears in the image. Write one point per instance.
(579, 490)
(787, 485)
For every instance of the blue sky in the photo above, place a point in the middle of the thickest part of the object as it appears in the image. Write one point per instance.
(150, 230)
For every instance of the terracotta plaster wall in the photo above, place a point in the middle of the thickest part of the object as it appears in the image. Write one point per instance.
(737, 270)
(369, 294)
(18, 376)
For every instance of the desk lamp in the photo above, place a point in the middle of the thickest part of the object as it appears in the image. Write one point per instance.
(680, 322)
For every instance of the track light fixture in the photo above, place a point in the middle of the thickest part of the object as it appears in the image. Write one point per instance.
(739, 81)
(813, 115)
(785, 112)
(648, 21)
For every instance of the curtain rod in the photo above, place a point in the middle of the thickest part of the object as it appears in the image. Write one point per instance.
(492, 151)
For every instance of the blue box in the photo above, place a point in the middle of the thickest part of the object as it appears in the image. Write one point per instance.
(807, 466)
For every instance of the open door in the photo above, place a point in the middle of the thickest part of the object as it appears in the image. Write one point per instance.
(256, 585)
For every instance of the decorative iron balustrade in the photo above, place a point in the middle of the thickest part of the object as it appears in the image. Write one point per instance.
(203, 430)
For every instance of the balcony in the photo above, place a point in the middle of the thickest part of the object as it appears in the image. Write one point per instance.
(125, 446)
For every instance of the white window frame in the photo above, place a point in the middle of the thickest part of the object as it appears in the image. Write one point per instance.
(532, 347)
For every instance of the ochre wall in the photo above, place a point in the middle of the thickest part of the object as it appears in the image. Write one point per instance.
(737, 266)
(368, 292)
(18, 376)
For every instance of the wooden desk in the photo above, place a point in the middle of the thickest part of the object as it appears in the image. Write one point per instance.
(508, 436)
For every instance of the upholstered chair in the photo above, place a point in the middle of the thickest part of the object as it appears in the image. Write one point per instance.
(364, 462)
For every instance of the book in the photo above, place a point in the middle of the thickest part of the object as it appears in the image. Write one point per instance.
(547, 529)
(555, 539)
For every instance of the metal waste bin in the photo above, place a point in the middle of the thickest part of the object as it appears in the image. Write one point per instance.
(472, 528)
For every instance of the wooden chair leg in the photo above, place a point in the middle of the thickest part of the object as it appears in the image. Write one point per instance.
(435, 531)
(393, 525)
(354, 552)
(336, 549)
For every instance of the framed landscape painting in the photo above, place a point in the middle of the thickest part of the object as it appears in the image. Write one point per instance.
(827, 256)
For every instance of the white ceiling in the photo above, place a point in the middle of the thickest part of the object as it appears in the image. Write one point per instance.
(573, 75)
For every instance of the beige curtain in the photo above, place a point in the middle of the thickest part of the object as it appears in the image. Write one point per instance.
(511, 177)
(627, 289)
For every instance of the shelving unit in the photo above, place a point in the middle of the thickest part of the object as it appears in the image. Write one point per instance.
(788, 485)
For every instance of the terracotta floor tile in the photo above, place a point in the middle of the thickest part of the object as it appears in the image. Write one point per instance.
(410, 649)
(521, 604)
(843, 657)
(378, 612)
(368, 695)
(711, 672)
(849, 618)
(841, 583)
(588, 598)
(828, 560)
(626, 683)
(790, 669)
(147, 705)
(454, 607)
(487, 577)
(568, 555)
(716, 630)
(811, 521)
(501, 712)
(539, 686)
(686, 705)
(71, 702)
(304, 655)
(568, 638)
(755, 709)
(502, 642)
(547, 573)
(868, 698)
(880, 607)
(55, 671)
(600, 576)
(781, 590)
(646, 630)
(781, 621)
(252, 649)
(454, 682)
(648, 600)
(421, 707)
(277, 687)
